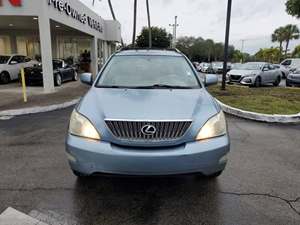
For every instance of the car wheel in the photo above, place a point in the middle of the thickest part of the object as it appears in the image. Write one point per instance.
(58, 80)
(277, 82)
(257, 82)
(4, 78)
(75, 76)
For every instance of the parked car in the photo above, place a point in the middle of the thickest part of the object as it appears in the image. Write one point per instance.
(147, 113)
(293, 79)
(291, 64)
(196, 66)
(284, 71)
(218, 67)
(10, 66)
(206, 68)
(255, 74)
(61, 71)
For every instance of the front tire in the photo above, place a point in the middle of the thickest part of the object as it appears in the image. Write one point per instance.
(58, 80)
(4, 78)
(257, 82)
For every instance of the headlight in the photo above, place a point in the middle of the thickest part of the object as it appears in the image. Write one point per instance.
(82, 127)
(214, 127)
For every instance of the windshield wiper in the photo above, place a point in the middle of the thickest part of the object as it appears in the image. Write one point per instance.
(163, 86)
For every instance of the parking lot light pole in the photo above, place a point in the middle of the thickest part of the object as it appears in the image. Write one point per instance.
(226, 44)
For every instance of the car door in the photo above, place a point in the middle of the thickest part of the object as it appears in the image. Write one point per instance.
(265, 74)
(68, 71)
(14, 66)
(273, 73)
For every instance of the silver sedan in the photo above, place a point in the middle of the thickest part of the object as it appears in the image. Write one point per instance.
(255, 74)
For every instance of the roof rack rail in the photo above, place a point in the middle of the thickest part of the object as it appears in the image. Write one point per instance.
(146, 48)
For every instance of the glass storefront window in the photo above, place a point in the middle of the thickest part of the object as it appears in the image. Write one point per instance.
(5, 48)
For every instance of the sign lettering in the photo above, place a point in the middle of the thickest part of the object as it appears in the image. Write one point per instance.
(64, 6)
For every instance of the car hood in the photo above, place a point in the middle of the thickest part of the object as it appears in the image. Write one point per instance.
(146, 105)
(244, 72)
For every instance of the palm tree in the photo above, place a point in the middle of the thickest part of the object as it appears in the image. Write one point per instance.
(134, 23)
(279, 36)
(149, 24)
(291, 33)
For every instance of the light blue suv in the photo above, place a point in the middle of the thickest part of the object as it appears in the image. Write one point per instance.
(147, 113)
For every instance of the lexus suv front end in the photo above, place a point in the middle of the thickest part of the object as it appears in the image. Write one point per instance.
(147, 113)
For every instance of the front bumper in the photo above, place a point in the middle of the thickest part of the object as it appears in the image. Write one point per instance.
(292, 82)
(243, 80)
(90, 157)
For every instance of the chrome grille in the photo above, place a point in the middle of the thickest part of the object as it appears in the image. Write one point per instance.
(132, 130)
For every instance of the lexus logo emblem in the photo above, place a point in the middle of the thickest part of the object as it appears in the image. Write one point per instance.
(148, 129)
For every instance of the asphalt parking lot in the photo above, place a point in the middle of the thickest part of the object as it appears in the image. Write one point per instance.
(261, 184)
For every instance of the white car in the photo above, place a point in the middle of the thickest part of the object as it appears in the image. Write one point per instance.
(291, 64)
(255, 74)
(10, 66)
(285, 72)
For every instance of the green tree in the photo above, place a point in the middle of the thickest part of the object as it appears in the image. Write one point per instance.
(160, 38)
(279, 36)
(296, 52)
(291, 33)
(293, 8)
(271, 55)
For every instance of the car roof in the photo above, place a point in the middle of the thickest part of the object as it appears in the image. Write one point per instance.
(257, 63)
(143, 52)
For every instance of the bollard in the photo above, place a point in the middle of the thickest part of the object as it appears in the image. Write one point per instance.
(23, 85)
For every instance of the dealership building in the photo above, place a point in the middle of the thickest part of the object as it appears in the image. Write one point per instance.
(52, 29)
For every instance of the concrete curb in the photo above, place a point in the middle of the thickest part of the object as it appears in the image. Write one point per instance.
(40, 109)
(284, 119)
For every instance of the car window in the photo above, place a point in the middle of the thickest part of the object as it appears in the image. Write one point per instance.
(142, 71)
(27, 59)
(252, 66)
(4, 59)
(15, 59)
(57, 64)
(287, 63)
(271, 67)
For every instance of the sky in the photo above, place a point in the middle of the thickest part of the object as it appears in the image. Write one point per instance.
(252, 20)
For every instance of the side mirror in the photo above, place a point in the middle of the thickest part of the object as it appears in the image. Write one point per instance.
(210, 79)
(86, 78)
(265, 69)
(13, 63)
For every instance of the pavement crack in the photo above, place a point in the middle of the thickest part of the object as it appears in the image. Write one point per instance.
(289, 202)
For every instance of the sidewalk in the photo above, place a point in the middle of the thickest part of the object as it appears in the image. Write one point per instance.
(11, 95)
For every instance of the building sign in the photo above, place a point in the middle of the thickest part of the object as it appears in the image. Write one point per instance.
(64, 6)
(16, 3)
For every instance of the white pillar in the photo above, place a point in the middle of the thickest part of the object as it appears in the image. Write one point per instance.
(94, 56)
(46, 53)
(105, 48)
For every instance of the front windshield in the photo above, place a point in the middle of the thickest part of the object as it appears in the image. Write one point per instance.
(4, 59)
(251, 66)
(236, 66)
(147, 71)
